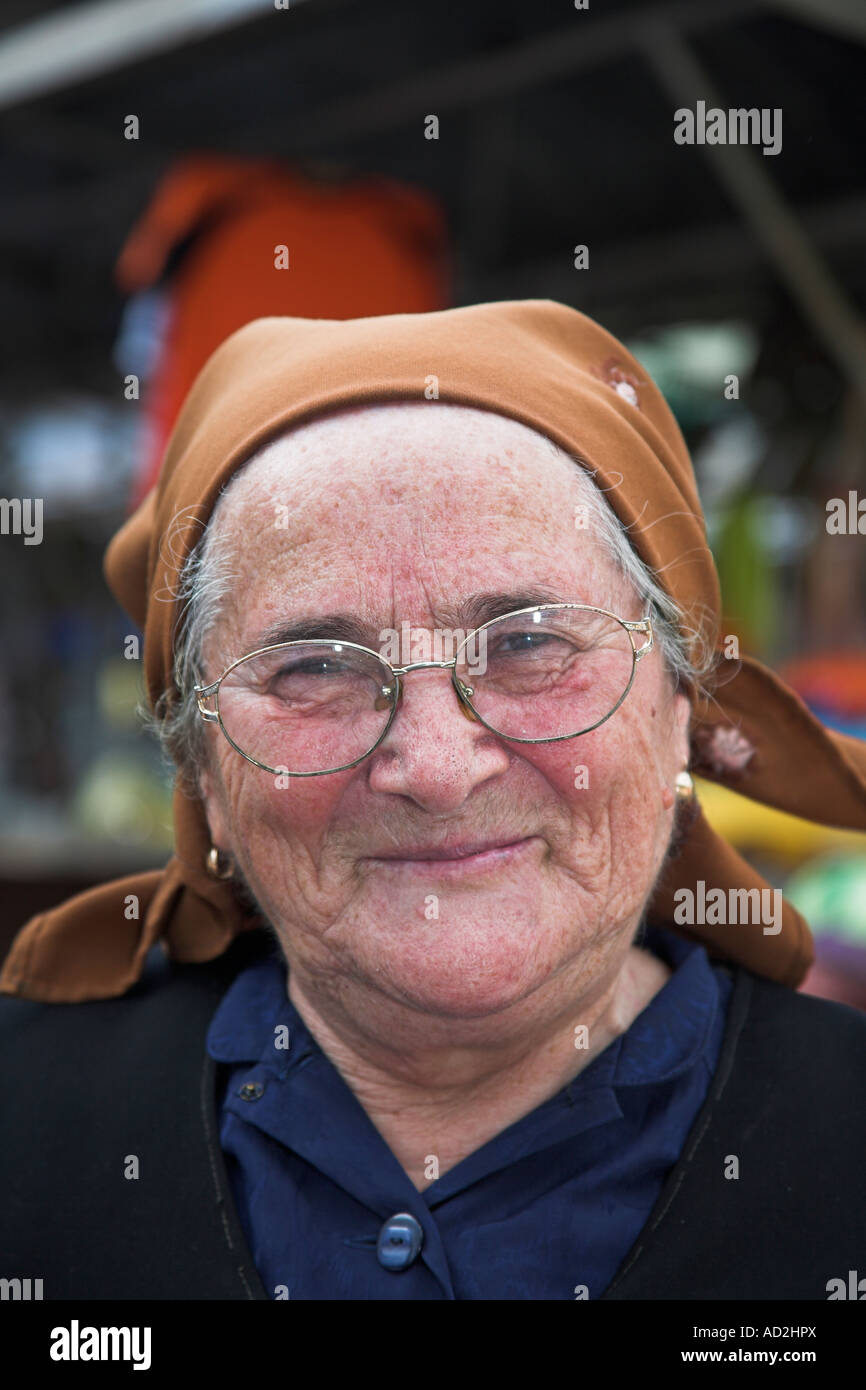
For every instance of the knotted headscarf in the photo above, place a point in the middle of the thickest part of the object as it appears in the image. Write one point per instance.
(563, 375)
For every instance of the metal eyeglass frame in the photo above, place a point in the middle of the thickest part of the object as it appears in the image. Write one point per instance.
(393, 691)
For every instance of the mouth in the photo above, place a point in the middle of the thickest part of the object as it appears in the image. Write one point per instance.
(458, 860)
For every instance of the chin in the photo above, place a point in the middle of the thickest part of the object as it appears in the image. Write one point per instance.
(462, 974)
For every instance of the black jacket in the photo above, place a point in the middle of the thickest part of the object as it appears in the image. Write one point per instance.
(86, 1085)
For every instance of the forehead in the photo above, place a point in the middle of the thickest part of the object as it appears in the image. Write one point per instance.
(401, 454)
(405, 505)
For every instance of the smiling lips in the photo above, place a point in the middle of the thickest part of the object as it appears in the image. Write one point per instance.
(459, 858)
(456, 851)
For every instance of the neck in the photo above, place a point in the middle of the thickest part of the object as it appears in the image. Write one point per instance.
(444, 1089)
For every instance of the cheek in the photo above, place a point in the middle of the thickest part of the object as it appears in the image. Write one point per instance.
(260, 805)
(590, 772)
(619, 823)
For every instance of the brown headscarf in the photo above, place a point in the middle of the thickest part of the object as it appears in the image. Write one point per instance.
(557, 371)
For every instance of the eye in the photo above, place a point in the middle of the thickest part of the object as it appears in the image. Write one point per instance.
(301, 677)
(518, 643)
(311, 666)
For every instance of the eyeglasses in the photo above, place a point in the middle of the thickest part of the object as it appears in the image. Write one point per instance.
(536, 675)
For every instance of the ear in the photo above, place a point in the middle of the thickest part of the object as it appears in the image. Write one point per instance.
(211, 794)
(682, 720)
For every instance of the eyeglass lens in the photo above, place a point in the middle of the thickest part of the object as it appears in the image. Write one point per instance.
(314, 707)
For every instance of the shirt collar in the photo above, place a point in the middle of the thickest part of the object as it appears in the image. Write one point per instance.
(673, 1031)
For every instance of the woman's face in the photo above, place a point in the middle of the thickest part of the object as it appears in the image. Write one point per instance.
(398, 514)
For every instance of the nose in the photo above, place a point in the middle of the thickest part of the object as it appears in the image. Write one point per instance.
(463, 706)
(436, 751)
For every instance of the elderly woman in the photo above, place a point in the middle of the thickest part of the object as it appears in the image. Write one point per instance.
(459, 997)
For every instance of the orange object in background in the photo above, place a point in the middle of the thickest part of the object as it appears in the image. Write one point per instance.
(213, 230)
(835, 680)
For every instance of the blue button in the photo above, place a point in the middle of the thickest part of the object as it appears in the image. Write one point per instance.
(400, 1241)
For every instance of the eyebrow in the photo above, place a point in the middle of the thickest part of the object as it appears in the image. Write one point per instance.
(473, 612)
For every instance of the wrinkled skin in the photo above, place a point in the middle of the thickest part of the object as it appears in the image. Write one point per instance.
(449, 1029)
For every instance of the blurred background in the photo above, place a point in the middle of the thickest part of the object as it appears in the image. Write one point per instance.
(154, 153)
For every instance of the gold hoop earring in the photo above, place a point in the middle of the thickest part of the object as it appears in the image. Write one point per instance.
(212, 864)
(685, 786)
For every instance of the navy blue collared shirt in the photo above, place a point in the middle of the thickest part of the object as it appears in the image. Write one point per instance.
(547, 1209)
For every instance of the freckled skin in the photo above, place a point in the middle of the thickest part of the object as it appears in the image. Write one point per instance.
(447, 1029)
